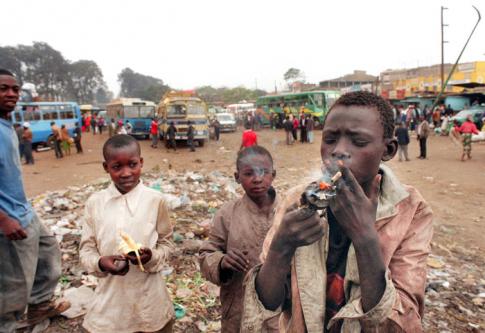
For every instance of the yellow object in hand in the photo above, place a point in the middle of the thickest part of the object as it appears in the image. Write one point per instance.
(127, 245)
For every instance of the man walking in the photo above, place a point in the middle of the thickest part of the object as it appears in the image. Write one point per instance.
(27, 143)
(30, 264)
(402, 137)
(77, 138)
(190, 136)
(56, 134)
(154, 132)
(423, 132)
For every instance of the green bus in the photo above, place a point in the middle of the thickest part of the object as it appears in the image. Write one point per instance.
(316, 103)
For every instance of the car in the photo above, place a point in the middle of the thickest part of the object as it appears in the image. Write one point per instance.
(227, 121)
(477, 112)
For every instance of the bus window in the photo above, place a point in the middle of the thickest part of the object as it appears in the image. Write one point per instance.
(17, 117)
(147, 111)
(318, 100)
(195, 108)
(131, 112)
(31, 115)
(176, 110)
(50, 115)
(67, 115)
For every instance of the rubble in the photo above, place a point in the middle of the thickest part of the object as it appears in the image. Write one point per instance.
(455, 293)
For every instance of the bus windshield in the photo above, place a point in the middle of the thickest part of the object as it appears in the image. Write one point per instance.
(195, 108)
(131, 112)
(176, 110)
(147, 111)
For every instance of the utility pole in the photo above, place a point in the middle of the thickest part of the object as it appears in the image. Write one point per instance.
(443, 49)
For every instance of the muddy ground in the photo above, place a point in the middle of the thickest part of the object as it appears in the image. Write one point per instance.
(454, 189)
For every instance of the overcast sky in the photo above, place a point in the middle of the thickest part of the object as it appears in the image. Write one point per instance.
(252, 42)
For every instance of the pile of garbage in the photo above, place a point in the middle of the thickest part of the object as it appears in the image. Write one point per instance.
(193, 199)
(455, 293)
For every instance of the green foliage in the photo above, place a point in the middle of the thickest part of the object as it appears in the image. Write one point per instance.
(228, 95)
(55, 77)
(293, 74)
(146, 87)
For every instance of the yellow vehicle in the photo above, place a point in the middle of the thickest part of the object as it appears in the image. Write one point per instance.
(180, 107)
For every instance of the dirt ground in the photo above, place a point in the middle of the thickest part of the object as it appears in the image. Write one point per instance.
(453, 188)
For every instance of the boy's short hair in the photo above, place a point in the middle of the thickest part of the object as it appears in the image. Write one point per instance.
(119, 141)
(368, 99)
(252, 150)
(3, 71)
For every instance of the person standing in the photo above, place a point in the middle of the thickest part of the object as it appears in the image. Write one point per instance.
(27, 139)
(310, 124)
(66, 140)
(100, 125)
(94, 123)
(249, 138)
(402, 137)
(87, 122)
(190, 136)
(77, 138)
(129, 127)
(467, 129)
(296, 124)
(56, 135)
(303, 132)
(154, 132)
(171, 133)
(288, 125)
(111, 128)
(30, 263)
(217, 129)
(423, 133)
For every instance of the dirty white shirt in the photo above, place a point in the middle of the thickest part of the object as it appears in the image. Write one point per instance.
(138, 301)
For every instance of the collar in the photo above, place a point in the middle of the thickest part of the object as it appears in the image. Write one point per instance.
(5, 122)
(131, 199)
(253, 208)
(392, 192)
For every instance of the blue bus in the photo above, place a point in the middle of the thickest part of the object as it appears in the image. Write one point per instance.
(138, 112)
(41, 114)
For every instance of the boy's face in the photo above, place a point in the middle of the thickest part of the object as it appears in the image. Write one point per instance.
(255, 174)
(355, 135)
(124, 167)
(9, 93)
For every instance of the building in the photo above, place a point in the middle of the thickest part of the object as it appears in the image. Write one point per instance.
(426, 81)
(358, 80)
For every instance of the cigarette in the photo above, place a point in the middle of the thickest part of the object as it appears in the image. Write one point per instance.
(336, 177)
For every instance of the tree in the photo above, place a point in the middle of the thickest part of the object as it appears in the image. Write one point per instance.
(9, 60)
(293, 75)
(86, 81)
(146, 87)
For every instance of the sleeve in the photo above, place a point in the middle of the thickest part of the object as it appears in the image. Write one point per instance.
(88, 247)
(401, 306)
(164, 246)
(213, 249)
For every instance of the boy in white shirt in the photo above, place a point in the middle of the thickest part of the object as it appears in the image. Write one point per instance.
(127, 299)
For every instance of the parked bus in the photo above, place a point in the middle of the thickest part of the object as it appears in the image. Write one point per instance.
(41, 114)
(315, 103)
(88, 108)
(138, 112)
(241, 108)
(179, 107)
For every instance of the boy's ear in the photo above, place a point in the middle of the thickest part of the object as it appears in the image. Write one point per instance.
(391, 149)
(141, 161)
(274, 173)
(105, 166)
(236, 177)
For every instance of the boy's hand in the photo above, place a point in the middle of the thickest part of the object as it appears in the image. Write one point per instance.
(145, 256)
(12, 229)
(235, 260)
(354, 210)
(300, 227)
(115, 265)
